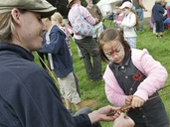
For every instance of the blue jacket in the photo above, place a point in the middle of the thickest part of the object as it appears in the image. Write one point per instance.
(157, 12)
(28, 95)
(61, 56)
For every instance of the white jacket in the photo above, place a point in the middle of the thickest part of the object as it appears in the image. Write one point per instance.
(128, 25)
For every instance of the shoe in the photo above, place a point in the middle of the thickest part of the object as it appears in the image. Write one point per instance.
(156, 36)
(161, 36)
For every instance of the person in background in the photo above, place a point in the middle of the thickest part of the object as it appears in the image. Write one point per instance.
(87, 45)
(58, 20)
(158, 15)
(96, 13)
(72, 34)
(128, 24)
(62, 61)
(152, 24)
(133, 77)
(116, 15)
(168, 14)
(139, 8)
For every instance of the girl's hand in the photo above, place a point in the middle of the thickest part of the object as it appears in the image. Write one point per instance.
(128, 100)
(137, 102)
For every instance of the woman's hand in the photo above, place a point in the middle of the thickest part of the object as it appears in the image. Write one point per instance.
(102, 114)
(123, 121)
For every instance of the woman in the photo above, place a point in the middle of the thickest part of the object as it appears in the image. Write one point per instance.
(87, 45)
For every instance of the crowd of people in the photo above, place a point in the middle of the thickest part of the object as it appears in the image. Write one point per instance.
(29, 96)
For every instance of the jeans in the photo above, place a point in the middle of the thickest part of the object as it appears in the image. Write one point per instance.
(91, 57)
(139, 11)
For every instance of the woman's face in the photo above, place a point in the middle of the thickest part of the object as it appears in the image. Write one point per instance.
(29, 31)
(114, 51)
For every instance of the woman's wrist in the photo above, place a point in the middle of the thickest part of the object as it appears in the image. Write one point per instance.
(94, 116)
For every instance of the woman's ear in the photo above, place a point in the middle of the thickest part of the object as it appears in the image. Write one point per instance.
(15, 13)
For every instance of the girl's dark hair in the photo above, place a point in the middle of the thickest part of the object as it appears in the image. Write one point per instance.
(110, 35)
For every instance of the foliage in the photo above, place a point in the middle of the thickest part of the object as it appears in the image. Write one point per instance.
(92, 93)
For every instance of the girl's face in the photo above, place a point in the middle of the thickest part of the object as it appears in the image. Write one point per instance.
(126, 11)
(114, 51)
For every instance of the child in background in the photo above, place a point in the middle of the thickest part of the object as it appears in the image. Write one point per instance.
(63, 66)
(128, 23)
(152, 24)
(58, 20)
(158, 15)
(116, 15)
(131, 77)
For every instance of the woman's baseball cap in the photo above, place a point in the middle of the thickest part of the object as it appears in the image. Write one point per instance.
(126, 4)
(38, 6)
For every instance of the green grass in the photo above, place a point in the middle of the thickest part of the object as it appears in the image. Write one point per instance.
(92, 93)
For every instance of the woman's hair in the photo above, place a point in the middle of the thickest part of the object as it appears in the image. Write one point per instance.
(59, 17)
(109, 35)
(7, 27)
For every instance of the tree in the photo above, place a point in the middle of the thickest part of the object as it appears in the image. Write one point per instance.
(61, 6)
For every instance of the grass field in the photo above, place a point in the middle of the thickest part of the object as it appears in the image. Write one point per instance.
(92, 93)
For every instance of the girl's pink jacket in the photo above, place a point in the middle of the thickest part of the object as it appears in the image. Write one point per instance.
(156, 76)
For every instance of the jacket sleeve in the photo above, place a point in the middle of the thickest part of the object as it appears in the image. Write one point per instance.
(156, 74)
(87, 16)
(57, 37)
(82, 120)
(113, 91)
(130, 20)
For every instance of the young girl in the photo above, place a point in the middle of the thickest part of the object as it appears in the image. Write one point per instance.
(128, 23)
(58, 20)
(63, 66)
(132, 77)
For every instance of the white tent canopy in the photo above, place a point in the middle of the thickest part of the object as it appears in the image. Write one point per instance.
(105, 2)
(106, 6)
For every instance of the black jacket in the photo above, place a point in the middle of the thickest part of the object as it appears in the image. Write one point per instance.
(28, 95)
